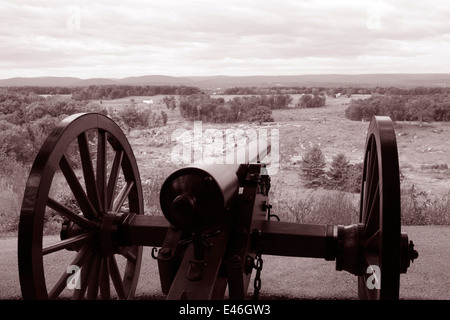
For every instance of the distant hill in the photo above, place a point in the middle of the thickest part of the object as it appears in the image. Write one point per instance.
(94, 81)
(157, 80)
(40, 81)
(214, 82)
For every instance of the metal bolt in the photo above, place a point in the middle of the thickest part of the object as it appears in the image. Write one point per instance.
(236, 261)
(249, 263)
(165, 252)
(266, 206)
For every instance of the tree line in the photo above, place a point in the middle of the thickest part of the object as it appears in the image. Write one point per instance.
(27, 119)
(95, 92)
(246, 108)
(106, 92)
(430, 107)
(314, 100)
(333, 91)
(120, 91)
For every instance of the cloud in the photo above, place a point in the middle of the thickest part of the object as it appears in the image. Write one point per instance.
(119, 39)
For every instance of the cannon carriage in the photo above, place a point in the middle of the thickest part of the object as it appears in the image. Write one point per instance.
(215, 227)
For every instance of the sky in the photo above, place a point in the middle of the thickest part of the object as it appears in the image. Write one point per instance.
(117, 39)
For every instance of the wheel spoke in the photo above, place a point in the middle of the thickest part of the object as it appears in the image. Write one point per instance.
(88, 171)
(373, 213)
(364, 291)
(76, 240)
(371, 176)
(123, 194)
(84, 279)
(85, 204)
(372, 244)
(116, 278)
(371, 259)
(365, 184)
(114, 175)
(105, 290)
(79, 260)
(128, 253)
(69, 214)
(101, 166)
(94, 279)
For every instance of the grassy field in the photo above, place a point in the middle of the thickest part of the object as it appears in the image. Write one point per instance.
(423, 156)
(420, 148)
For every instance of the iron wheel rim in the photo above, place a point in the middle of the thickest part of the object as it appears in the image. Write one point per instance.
(380, 214)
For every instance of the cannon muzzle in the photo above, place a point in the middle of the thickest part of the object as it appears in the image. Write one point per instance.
(194, 198)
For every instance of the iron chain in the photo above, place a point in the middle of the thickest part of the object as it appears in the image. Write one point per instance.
(258, 265)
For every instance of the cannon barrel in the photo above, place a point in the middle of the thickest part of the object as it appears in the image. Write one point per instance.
(194, 198)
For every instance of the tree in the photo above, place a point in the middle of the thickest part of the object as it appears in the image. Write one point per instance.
(259, 114)
(420, 109)
(313, 167)
(338, 172)
(132, 118)
(169, 102)
(442, 110)
(354, 173)
(312, 101)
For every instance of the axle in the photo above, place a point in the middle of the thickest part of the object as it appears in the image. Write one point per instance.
(342, 244)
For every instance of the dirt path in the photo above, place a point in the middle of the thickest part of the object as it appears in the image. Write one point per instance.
(295, 278)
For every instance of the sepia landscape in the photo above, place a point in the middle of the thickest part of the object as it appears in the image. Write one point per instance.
(156, 87)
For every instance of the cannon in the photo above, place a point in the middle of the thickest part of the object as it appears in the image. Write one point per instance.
(215, 227)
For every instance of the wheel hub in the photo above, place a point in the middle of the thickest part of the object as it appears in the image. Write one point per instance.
(349, 248)
(106, 235)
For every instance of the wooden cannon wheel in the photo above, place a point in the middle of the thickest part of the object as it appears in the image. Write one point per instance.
(380, 214)
(83, 181)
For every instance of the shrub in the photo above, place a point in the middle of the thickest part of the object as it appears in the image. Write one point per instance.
(419, 208)
(13, 177)
(131, 117)
(259, 114)
(151, 187)
(24, 128)
(10, 203)
(319, 207)
(164, 117)
(401, 107)
(311, 101)
(204, 108)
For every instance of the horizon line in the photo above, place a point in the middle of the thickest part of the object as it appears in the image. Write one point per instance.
(235, 76)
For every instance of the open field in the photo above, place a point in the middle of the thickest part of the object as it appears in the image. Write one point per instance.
(419, 147)
(294, 278)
